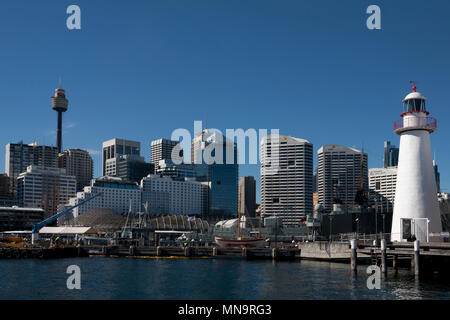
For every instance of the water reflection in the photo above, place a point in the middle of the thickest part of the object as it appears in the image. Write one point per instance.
(119, 278)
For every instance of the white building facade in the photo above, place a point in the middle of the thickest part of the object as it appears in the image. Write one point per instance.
(168, 196)
(382, 183)
(47, 188)
(117, 195)
(286, 178)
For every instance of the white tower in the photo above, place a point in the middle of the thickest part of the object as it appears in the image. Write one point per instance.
(416, 207)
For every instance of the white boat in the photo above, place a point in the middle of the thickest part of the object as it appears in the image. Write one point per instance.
(240, 242)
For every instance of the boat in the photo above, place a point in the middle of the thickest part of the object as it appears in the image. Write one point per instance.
(240, 242)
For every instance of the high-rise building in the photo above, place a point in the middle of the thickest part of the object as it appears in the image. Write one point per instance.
(286, 178)
(77, 163)
(165, 195)
(19, 156)
(46, 188)
(390, 155)
(437, 176)
(59, 104)
(339, 175)
(131, 167)
(212, 148)
(161, 149)
(117, 195)
(382, 182)
(416, 207)
(113, 149)
(247, 196)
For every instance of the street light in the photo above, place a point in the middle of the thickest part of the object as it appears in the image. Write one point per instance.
(357, 228)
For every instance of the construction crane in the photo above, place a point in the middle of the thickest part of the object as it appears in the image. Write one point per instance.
(38, 226)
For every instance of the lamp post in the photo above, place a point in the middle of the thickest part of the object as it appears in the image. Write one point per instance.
(357, 228)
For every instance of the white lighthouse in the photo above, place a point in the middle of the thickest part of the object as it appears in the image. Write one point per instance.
(416, 206)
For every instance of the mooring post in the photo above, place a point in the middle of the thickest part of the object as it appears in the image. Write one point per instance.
(79, 250)
(214, 253)
(383, 256)
(416, 257)
(354, 256)
(131, 251)
(244, 251)
(274, 253)
(395, 262)
(158, 251)
(187, 251)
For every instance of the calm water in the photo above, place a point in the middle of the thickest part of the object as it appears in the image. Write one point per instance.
(127, 278)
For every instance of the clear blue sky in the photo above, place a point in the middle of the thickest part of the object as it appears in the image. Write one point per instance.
(140, 69)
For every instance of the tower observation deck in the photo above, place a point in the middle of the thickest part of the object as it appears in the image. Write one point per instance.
(59, 104)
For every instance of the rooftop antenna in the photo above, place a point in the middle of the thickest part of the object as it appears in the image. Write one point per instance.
(59, 82)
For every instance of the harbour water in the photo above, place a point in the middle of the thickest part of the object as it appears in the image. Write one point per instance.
(203, 279)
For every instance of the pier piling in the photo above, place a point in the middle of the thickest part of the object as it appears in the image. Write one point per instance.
(416, 257)
(354, 257)
(383, 256)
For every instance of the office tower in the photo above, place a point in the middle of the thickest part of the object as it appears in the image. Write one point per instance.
(47, 188)
(165, 195)
(390, 155)
(77, 163)
(133, 168)
(59, 104)
(286, 178)
(382, 182)
(19, 156)
(161, 149)
(339, 175)
(113, 149)
(117, 194)
(416, 207)
(211, 148)
(437, 176)
(247, 196)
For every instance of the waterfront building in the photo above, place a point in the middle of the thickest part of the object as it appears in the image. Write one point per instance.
(382, 183)
(168, 196)
(18, 219)
(340, 173)
(247, 196)
(19, 156)
(416, 207)
(286, 178)
(117, 194)
(77, 163)
(390, 158)
(161, 149)
(46, 188)
(132, 167)
(211, 148)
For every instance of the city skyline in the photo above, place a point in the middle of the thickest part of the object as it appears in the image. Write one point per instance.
(240, 74)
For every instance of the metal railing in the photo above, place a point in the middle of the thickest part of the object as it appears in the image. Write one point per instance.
(427, 123)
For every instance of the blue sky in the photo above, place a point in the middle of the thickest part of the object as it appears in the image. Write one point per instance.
(140, 69)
